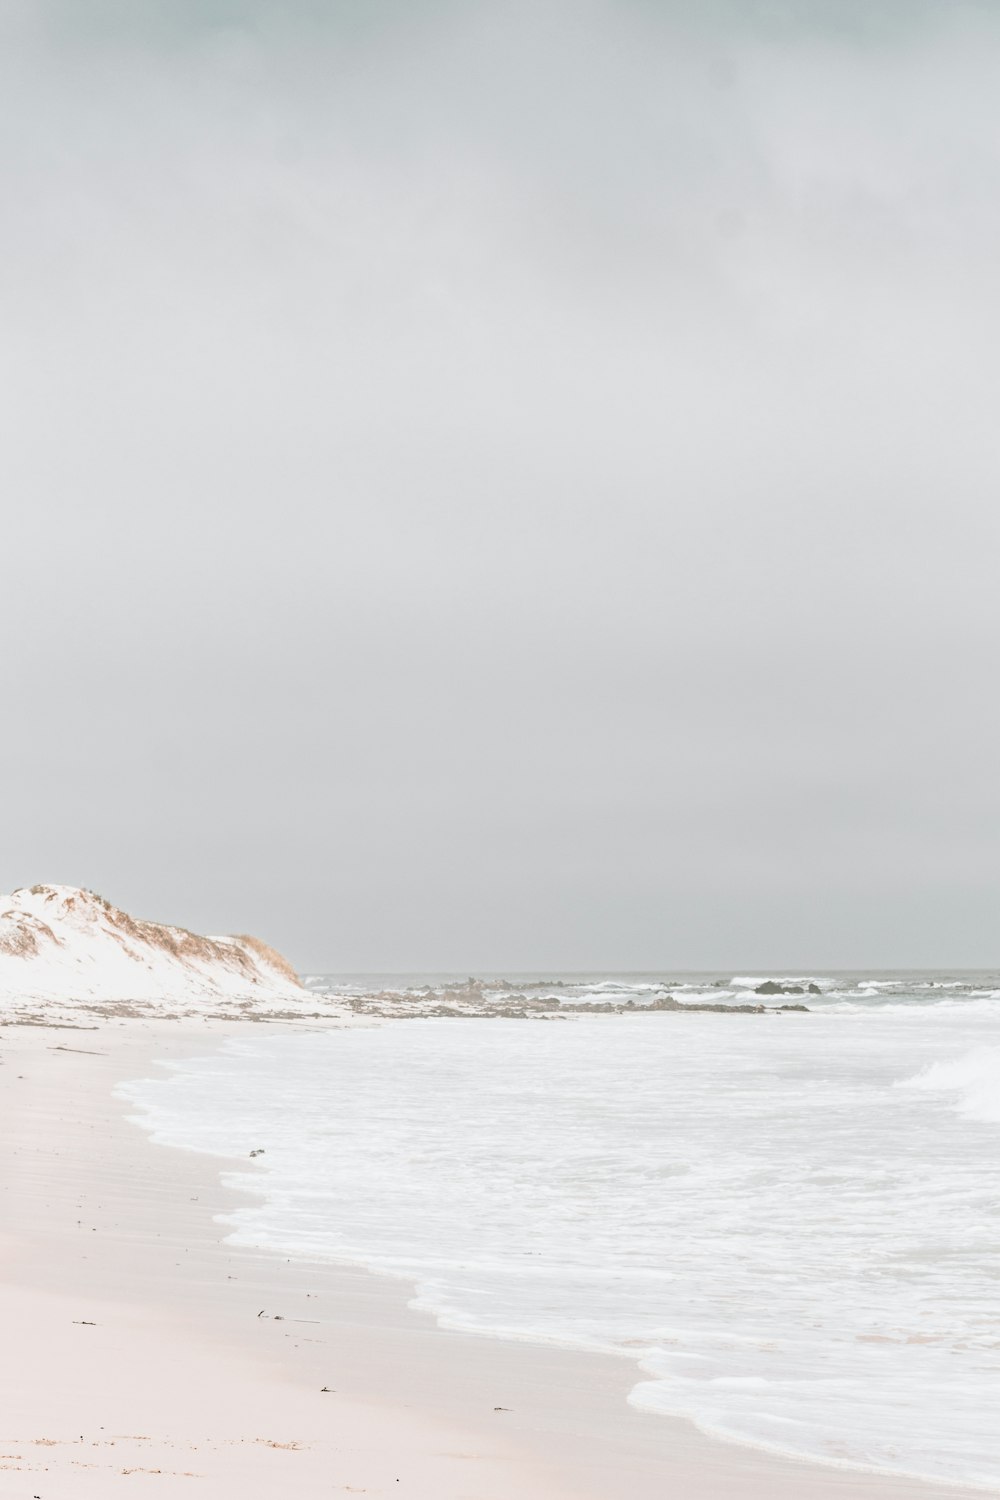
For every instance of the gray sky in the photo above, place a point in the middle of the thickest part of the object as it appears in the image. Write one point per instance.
(506, 486)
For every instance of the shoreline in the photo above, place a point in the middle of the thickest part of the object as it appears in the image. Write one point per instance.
(112, 1263)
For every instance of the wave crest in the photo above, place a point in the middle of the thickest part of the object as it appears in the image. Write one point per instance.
(974, 1078)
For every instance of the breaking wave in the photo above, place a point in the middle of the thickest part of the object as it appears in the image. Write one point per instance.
(973, 1081)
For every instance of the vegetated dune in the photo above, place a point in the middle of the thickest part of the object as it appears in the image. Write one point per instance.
(61, 943)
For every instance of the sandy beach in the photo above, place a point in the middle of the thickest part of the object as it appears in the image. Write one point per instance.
(137, 1346)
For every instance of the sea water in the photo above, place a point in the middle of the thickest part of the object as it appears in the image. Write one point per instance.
(789, 1222)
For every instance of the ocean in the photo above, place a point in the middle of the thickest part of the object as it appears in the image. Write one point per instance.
(789, 1222)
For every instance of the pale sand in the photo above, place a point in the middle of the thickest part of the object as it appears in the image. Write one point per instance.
(133, 1360)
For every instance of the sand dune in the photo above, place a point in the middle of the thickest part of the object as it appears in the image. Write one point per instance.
(64, 944)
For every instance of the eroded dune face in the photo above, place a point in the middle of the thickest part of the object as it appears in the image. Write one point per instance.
(62, 943)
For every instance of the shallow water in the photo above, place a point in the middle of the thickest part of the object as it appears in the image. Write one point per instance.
(790, 1222)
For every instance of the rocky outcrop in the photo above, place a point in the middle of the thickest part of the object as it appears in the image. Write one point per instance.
(782, 987)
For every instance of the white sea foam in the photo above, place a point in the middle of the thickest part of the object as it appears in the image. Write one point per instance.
(973, 1079)
(798, 1252)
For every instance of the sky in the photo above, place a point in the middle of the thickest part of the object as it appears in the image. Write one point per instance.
(506, 486)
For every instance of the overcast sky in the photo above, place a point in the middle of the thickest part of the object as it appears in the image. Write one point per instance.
(506, 486)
